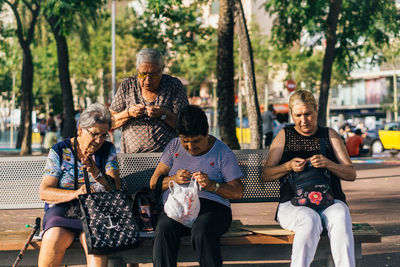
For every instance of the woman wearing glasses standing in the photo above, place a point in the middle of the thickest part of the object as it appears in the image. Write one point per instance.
(63, 181)
(146, 105)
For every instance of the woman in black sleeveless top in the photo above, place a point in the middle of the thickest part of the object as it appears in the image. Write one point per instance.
(293, 148)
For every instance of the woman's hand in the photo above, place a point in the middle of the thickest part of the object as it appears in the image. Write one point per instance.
(319, 161)
(90, 166)
(297, 164)
(82, 191)
(182, 176)
(155, 111)
(203, 180)
(136, 111)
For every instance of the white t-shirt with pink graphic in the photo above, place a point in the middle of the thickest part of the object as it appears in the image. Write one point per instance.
(219, 163)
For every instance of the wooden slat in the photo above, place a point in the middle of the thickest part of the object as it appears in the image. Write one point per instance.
(363, 233)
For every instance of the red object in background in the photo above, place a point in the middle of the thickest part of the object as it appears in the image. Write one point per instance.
(281, 108)
(290, 85)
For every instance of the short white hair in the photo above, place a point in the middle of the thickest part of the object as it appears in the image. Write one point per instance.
(95, 113)
(149, 55)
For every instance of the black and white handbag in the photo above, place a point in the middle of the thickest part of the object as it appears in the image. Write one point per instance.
(107, 220)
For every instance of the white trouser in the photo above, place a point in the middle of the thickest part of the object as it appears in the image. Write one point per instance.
(308, 226)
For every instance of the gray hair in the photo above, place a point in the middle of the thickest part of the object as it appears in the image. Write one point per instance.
(149, 55)
(95, 113)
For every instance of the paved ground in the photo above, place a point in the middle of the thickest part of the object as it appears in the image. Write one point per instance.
(373, 198)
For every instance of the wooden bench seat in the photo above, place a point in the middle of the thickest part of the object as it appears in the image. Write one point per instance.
(20, 179)
(257, 242)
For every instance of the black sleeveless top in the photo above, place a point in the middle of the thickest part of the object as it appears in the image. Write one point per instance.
(300, 146)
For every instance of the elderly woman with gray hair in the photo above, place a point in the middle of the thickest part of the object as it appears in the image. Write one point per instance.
(63, 181)
(146, 105)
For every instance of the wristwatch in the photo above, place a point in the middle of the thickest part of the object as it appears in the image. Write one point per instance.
(98, 177)
(163, 116)
(217, 185)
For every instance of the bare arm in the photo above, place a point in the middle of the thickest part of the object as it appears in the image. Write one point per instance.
(344, 169)
(230, 190)
(119, 119)
(271, 170)
(114, 175)
(162, 169)
(171, 118)
(49, 192)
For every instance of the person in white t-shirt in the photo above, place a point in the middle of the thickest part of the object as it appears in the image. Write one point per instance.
(197, 155)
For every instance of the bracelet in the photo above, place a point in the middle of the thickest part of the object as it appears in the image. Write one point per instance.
(127, 111)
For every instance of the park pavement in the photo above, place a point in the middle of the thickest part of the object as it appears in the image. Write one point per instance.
(373, 198)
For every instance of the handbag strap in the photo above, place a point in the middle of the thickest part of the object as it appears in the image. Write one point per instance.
(74, 151)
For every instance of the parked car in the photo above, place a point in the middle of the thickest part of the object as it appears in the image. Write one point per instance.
(390, 135)
(372, 142)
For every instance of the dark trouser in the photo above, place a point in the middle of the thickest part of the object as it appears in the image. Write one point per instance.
(213, 221)
(268, 139)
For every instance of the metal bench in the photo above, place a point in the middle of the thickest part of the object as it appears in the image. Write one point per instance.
(20, 179)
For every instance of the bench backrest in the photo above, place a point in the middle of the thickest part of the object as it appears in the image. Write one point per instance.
(20, 177)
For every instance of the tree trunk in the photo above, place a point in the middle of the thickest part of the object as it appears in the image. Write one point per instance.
(225, 74)
(329, 57)
(24, 140)
(69, 125)
(246, 53)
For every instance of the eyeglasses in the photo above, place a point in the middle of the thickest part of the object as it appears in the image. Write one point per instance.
(97, 135)
(150, 75)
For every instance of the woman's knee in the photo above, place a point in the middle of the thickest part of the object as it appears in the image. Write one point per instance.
(200, 227)
(164, 227)
(337, 215)
(58, 237)
(309, 222)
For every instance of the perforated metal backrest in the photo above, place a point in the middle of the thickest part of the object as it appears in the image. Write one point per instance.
(251, 162)
(20, 177)
(137, 169)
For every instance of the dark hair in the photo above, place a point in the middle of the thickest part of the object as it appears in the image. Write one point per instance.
(358, 132)
(191, 121)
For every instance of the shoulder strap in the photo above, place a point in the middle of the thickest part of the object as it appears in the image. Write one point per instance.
(75, 165)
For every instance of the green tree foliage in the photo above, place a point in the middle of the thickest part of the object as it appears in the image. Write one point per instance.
(46, 88)
(9, 62)
(175, 29)
(347, 30)
(26, 16)
(62, 17)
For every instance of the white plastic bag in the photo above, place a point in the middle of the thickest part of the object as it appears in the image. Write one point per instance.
(183, 204)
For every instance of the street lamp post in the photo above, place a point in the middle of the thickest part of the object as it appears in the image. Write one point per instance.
(396, 108)
(113, 47)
